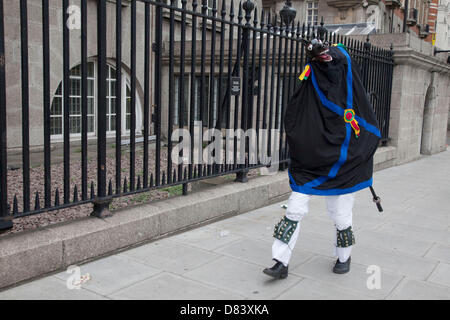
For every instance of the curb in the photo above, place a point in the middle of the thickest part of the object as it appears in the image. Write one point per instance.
(29, 255)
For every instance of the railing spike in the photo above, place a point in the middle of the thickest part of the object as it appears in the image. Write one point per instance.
(151, 180)
(263, 14)
(214, 8)
(139, 183)
(92, 190)
(163, 178)
(174, 176)
(37, 202)
(240, 14)
(75, 194)
(15, 205)
(118, 186)
(232, 10)
(125, 185)
(110, 191)
(224, 10)
(57, 197)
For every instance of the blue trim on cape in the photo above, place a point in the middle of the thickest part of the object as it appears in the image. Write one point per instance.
(307, 188)
(339, 110)
(330, 192)
(335, 168)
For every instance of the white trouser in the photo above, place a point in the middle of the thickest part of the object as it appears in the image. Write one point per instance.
(340, 211)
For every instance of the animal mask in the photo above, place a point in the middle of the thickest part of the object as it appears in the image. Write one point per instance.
(317, 50)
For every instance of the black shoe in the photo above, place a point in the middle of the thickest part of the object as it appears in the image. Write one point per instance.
(278, 271)
(342, 267)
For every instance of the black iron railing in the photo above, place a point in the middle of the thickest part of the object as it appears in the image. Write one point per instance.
(201, 68)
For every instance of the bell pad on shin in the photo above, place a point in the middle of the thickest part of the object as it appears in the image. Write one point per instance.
(345, 238)
(285, 229)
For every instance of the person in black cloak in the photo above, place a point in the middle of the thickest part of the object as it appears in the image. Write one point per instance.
(332, 134)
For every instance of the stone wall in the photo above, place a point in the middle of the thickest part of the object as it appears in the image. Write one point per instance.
(420, 97)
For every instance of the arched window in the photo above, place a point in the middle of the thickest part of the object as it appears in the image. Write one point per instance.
(57, 108)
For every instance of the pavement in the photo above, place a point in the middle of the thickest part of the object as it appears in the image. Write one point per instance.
(403, 253)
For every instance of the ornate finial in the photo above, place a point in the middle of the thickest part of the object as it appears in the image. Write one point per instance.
(232, 10)
(248, 6)
(240, 16)
(263, 14)
(214, 8)
(321, 30)
(288, 13)
(224, 10)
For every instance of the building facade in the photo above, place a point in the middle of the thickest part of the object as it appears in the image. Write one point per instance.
(443, 24)
(386, 16)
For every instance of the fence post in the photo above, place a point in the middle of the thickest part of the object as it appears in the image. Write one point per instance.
(367, 46)
(101, 202)
(248, 6)
(5, 219)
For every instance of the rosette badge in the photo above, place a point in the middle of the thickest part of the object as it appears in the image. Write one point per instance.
(349, 117)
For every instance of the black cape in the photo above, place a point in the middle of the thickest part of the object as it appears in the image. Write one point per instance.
(326, 156)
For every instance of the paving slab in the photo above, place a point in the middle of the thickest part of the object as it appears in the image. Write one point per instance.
(417, 233)
(168, 286)
(422, 219)
(309, 289)
(246, 227)
(400, 263)
(171, 256)
(393, 242)
(318, 245)
(112, 274)
(207, 238)
(242, 278)
(439, 252)
(410, 289)
(441, 274)
(50, 288)
(258, 252)
(320, 268)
